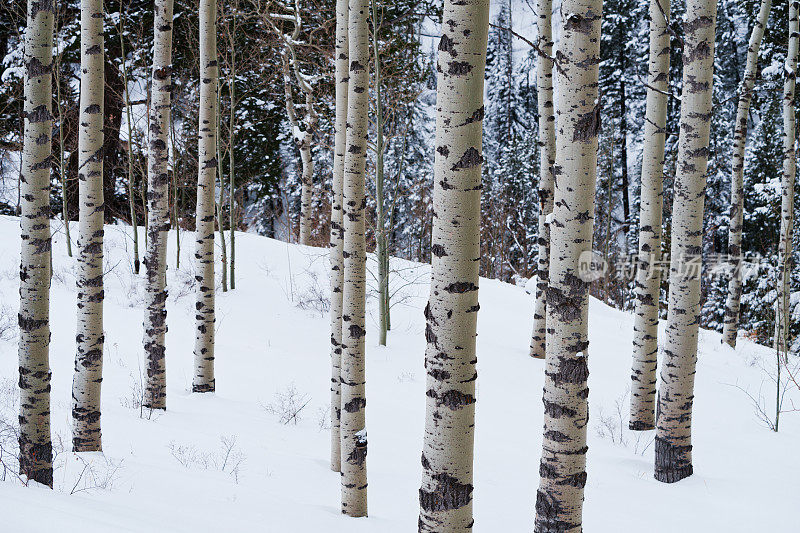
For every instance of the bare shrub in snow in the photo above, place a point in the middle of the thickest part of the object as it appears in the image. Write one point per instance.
(406, 377)
(614, 427)
(227, 458)
(97, 472)
(324, 417)
(314, 297)
(8, 323)
(288, 405)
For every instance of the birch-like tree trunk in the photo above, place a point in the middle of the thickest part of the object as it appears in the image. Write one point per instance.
(353, 380)
(787, 188)
(206, 180)
(731, 325)
(35, 445)
(648, 276)
(559, 500)
(337, 235)
(155, 317)
(445, 496)
(86, 436)
(547, 155)
(673, 442)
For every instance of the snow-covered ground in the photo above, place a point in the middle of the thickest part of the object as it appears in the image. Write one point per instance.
(169, 472)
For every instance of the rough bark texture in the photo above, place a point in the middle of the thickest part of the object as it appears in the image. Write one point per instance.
(206, 178)
(562, 472)
(35, 446)
(547, 156)
(787, 187)
(445, 496)
(648, 279)
(155, 317)
(88, 377)
(731, 325)
(337, 235)
(353, 422)
(673, 444)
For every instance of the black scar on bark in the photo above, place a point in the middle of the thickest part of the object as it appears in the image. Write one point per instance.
(355, 405)
(448, 494)
(359, 453)
(438, 250)
(477, 116)
(452, 399)
(471, 158)
(37, 68)
(556, 410)
(587, 126)
(548, 511)
(356, 331)
(446, 45)
(460, 287)
(458, 68)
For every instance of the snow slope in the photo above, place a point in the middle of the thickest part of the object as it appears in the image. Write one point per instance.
(168, 473)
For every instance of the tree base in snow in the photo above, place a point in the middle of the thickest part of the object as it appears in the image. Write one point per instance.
(673, 462)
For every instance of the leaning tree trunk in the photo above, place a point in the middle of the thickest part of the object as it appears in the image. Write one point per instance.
(648, 276)
(787, 194)
(559, 500)
(155, 318)
(337, 235)
(353, 421)
(445, 497)
(86, 435)
(673, 443)
(547, 154)
(731, 326)
(35, 446)
(206, 179)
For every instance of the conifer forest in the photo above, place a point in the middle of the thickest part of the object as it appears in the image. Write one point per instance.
(226, 225)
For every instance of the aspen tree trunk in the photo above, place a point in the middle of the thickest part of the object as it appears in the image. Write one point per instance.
(647, 289)
(155, 318)
(673, 442)
(787, 194)
(337, 230)
(218, 202)
(35, 446)
(559, 500)
(86, 436)
(61, 150)
(131, 205)
(731, 325)
(547, 154)
(231, 169)
(206, 179)
(445, 496)
(353, 421)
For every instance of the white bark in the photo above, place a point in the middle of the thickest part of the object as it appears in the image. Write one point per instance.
(88, 377)
(782, 318)
(353, 421)
(731, 325)
(155, 318)
(337, 236)
(206, 179)
(35, 445)
(559, 500)
(673, 443)
(445, 496)
(547, 154)
(648, 279)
